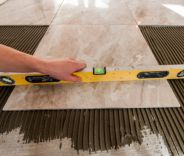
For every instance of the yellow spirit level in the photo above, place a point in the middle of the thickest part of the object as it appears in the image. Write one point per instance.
(99, 75)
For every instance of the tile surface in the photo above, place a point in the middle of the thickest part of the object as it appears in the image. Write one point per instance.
(110, 46)
(94, 12)
(154, 12)
(19, 12)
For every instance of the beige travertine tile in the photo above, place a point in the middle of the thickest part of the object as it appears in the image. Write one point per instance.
(19, 12)
(84, 12)
(154, 12)
(98, 46)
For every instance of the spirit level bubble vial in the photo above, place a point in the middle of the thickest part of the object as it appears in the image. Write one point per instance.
(99, 71)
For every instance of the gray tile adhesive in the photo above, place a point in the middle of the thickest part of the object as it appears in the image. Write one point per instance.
(100, 129)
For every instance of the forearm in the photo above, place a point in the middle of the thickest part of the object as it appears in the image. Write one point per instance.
(12, 60)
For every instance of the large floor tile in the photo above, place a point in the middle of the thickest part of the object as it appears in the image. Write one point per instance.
(154, 12)
(98, 46)
(94, 12)
(19, 12)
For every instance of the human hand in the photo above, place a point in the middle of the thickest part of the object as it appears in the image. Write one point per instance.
(63, 69)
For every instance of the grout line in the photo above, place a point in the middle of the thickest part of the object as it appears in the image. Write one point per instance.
(56, 12)
(131, 13)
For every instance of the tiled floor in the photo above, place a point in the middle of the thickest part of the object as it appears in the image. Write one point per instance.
(126, 12)
(100, 32)
(94, 12)
(28, 12)
(157, 12)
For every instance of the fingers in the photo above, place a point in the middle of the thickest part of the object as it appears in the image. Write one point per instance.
(64, 69)
(72, 59)
(79, 65)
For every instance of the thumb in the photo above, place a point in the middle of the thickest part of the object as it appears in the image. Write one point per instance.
(80, 66)
(74, 78)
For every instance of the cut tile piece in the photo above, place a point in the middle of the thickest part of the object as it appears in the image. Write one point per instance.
(95, 12)
(154, 12)
(20, 12)
(98, 46)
